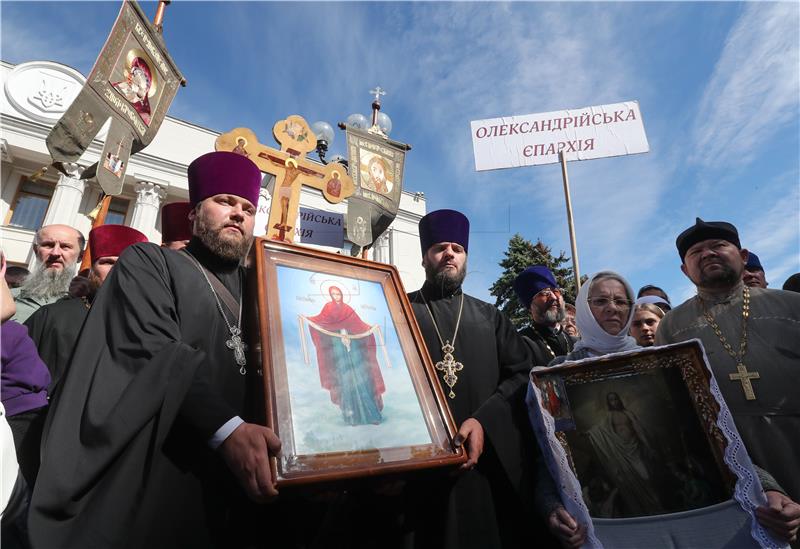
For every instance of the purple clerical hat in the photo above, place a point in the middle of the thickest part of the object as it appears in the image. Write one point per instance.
(175, 224)
(531, 281)
(753, 263)
(443, 226)
(223, 172)
(111, 240)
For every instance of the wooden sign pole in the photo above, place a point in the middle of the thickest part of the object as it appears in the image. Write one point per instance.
(572, 241)
(105, 202)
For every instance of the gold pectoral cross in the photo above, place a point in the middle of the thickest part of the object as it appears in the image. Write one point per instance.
(449, 366)
(744, 378)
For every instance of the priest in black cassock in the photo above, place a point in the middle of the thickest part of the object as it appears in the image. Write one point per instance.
(538, 291)
(146, 444)
(503, 493)
(55, 327)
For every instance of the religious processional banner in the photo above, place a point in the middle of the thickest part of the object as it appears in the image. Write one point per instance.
(133, 82)
(581, 134)
(376, 166)
(645, 451)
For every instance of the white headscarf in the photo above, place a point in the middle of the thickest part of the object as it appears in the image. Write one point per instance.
(593, 337)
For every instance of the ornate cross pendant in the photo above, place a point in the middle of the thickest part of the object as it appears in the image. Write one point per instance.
(744, 378)
(449, 367)
(239, 347)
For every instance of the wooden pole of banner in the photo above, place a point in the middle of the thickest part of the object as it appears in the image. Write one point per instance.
(99, 219)
(573, 243)
(158, 20)
(102, 211)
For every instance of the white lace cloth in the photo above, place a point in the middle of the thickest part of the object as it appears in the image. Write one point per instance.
(747, 492)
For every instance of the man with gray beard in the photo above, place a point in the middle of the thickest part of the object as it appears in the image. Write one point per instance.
(58, 248)
(537, 289)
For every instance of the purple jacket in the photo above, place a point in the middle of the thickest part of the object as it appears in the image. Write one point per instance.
(24, 377)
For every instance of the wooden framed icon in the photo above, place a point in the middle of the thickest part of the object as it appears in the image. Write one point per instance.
(639, 431)
(349, 387)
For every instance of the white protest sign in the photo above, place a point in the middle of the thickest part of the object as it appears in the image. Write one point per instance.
(582, 134)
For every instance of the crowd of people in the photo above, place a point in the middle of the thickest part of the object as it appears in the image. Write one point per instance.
(135, 424)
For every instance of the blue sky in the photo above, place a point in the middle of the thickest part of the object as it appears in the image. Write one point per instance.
(718, 86)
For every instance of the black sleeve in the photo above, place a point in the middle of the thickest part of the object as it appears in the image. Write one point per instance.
(141, 316)
(514, 361)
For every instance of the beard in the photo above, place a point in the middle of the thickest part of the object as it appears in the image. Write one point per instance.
(44, 283)
(443, 279)
(225, 246)
(551, 316)
(726, 277)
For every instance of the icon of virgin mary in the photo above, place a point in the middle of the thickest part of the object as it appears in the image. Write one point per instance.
(139, 84)
(347, 361)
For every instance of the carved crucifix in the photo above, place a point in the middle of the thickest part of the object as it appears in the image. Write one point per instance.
(291, 169)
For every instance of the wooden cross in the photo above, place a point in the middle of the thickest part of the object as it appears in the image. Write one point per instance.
(744, 378)
(291, 169)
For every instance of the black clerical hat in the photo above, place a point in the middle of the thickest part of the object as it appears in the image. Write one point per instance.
(706, 230)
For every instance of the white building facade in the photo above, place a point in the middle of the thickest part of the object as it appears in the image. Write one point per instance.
(34, 97)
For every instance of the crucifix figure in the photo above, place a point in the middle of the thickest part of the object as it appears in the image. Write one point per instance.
(291, 169)
(744, 378)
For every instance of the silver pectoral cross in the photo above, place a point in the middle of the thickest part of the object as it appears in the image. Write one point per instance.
(238, 346)
(449, 367)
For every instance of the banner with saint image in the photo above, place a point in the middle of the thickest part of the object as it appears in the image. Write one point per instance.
(133, 82)
(376, 167)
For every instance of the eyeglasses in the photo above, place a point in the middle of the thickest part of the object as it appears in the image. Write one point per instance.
(549, 292)
(602, 302)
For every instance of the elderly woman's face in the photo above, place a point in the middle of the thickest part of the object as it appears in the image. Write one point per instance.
(610, 305)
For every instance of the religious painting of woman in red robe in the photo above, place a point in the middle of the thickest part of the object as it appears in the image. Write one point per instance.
(347, 359)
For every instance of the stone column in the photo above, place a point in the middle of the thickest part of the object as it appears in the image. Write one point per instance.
(67, 197)
(382, 250)
(145, 212)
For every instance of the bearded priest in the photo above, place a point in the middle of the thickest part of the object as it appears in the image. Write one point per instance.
(147, 443)
(482, 365)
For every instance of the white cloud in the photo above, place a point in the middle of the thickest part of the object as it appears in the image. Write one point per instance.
(753, 92)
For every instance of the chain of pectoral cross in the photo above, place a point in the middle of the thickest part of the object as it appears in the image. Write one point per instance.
(235, 342)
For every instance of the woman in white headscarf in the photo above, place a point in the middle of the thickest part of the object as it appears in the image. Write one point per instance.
(604, 314)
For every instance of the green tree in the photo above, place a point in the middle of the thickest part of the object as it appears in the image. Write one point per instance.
(521, 254)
